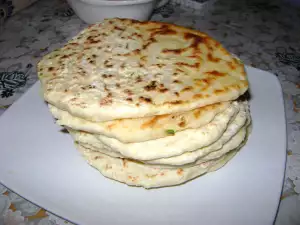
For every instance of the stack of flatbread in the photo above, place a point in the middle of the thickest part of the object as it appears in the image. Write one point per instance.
(149, 104)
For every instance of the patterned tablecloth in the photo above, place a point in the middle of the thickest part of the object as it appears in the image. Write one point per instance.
(264, 34)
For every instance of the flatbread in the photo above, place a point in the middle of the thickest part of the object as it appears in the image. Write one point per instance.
(142, 129)
(234, 135)
(236, 142)
(183, 141)
(231, 139)
(138, 174)
(123, 68)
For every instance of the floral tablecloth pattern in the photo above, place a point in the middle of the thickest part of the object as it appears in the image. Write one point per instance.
(264, 34)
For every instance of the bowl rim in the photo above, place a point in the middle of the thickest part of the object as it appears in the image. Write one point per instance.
(116, 2)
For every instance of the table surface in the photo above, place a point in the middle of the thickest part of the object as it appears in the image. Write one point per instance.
(263, 34)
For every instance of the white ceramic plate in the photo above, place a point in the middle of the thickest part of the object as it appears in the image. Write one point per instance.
(40, 163)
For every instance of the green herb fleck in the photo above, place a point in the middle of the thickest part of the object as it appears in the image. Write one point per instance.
(171, 132)
(40, 75)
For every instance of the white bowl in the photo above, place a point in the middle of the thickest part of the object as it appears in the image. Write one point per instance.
(93, 11)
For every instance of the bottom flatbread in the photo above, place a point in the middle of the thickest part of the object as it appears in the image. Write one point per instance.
(135, 173)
